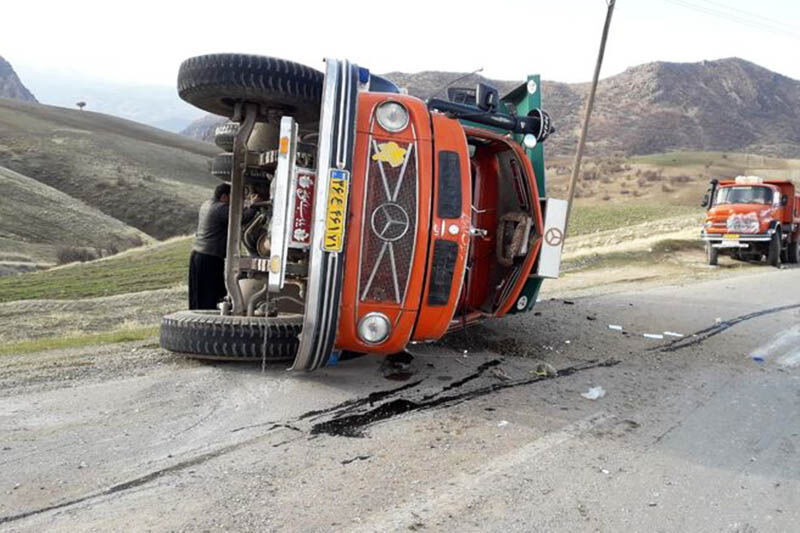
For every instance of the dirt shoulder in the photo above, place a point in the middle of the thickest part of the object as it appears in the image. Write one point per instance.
(664, 252)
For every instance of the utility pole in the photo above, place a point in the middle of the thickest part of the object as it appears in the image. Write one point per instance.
(576, 165)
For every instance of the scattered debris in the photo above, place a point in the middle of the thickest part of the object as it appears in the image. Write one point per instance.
(615, 327)
(397, 366)
(591, 318)
(673, 334)
(604, 471)
(653, 336)
(83, 465)
(502, 423)
(545, 369)
(500, 374)
(594, 393)
(567, 342)
(718, 321)
(758, 358)
(569, 302)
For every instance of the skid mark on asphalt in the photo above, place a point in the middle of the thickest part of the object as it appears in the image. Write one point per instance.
(342, 424)
(353, 425)
(464, 487)
(698, 337)
(135, 482)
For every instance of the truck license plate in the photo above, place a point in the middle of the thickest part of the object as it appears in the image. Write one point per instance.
(731, 236)
(338, 187)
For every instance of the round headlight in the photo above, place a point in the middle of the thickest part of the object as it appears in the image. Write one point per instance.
(392, 116)
(374, 328)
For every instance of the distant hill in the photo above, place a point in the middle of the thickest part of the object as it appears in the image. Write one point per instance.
(36, 221)
(10, 84)
(724, 105)
(144, 177)
(154, 105)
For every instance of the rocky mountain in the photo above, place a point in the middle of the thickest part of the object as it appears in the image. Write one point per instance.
(10, 84)
(726, 105)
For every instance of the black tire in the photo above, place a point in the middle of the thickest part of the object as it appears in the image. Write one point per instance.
(216, 82)
(209, 335)
(224, 134)
(794, 251)
(222, 164)
(712, 254)
(775, 252)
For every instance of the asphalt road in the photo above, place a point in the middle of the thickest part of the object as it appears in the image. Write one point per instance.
(694, 433)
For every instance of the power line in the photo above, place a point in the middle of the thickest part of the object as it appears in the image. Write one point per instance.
(742, 17)
(756, 16)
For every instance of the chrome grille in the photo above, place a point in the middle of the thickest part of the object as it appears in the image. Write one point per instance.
(390, 223)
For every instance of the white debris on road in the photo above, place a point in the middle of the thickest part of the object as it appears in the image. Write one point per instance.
(594, 393)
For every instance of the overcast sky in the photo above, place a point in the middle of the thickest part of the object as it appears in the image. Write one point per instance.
(144, 41)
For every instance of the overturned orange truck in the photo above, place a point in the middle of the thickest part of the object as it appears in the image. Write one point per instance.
(752, 218)
(390, 220)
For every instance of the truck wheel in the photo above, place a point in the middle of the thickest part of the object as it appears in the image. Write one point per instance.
(774, 255)
(224, 134)
(216, 82)
(222, 164)
(712, 254)
(209, 335)
(794, 251)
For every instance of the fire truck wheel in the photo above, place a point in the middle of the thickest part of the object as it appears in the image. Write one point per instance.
(712, 254)
(224, 134)
(222, 164)
(209, 335)
(774, 255)
(217, 82)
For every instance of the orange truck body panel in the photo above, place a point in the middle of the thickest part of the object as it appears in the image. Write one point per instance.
(367, 270)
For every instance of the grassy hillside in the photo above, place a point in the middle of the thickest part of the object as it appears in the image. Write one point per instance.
(147, 178)
(32, 213)
(153, 267)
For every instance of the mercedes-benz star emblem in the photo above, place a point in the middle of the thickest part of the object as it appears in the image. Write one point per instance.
(390, 222)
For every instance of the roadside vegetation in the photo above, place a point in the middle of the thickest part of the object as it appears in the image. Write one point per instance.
(156, 267)
(591, 218)
(79, 341)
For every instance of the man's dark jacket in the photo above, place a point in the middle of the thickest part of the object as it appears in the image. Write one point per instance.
(212, 229)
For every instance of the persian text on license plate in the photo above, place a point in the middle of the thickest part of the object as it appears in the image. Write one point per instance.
(731, 236)
(338, 187)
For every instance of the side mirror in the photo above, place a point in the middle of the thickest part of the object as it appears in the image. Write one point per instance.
(706, 198)
(486, 97)
(784, 200)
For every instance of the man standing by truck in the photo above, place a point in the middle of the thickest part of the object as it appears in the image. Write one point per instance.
(207, 262)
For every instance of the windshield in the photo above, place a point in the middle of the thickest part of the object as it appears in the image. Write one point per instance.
(744, 195)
